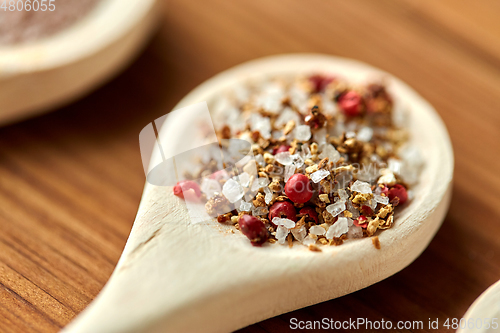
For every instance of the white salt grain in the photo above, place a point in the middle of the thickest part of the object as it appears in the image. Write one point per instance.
(381, 199)
(302, 133)
(284, 158)
(244, 179)
(245, 206)
(336, 208)
(317, 176)
(320, 136)
(352, 210)
(281, 233)
(232, 190)
(257, 211)
(355, 232)
(289, 171)
(299, 233)
(361, 187)
(268, 195)
(343, 195)
(365, 134)
(317, 230)
(287, 223)
(309, 240)
(330, 152)
(259, 183)
(338, 228)
(261, 124)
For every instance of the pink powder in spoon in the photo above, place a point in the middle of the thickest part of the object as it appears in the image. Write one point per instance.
(25, 26)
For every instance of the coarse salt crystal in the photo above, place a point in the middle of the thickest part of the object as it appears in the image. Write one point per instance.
(261, 124)
(302, 133)
(330, 152)
(371, 203)
(284, 222)
(343, 195)
(285, 116)
(297, 160)
(352, 210)
(299, 233)
(281, 233)
(317, 230)
(244, 179)
(355, 232)
(365, 134)
(257, 211)
(338, 228)
(305, 152)
(245, 206)
(260, 159)
(381, 199)
(268, 195)
(259, 183)
(232, 190)
(309, 240)
(336, 208)
(284, 158)
(317, 176)
(361, 187)
(289, 171)
(320, 136)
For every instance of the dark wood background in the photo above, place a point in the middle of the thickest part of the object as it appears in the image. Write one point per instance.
(71, 180)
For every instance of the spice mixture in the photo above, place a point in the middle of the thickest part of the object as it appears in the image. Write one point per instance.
(332, 161)
(19, 26)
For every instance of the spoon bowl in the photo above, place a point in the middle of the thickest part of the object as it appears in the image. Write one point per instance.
(179, 276)
(49, 72)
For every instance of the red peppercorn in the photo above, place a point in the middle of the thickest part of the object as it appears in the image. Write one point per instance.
(351, 103)
(311, 212)
(361, 222)
(398, 191)
(181, 189)
(254, 229)
(320, 82)
(281, 149)
(298, 188)
(283, 209)
(367, 210)
(218, 175)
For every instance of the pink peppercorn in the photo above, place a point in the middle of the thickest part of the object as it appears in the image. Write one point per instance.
(181, 188)
(398, 191)
(298, 188)
(281, 149)
(367, 210)
(310, 212)
(283, 209)
(351, 103)
(320, 82)
(361, 222)
(254, 229)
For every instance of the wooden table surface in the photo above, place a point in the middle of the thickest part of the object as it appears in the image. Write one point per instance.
(71, 180)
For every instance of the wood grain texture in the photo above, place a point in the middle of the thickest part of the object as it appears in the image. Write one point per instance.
(70, 181)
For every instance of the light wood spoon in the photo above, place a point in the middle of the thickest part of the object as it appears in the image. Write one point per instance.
(40, 75)
(176, 276)
(483, 316)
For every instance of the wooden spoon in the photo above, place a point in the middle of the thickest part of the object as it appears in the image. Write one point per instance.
(484, 314)
(40, 75)
(176, 276)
